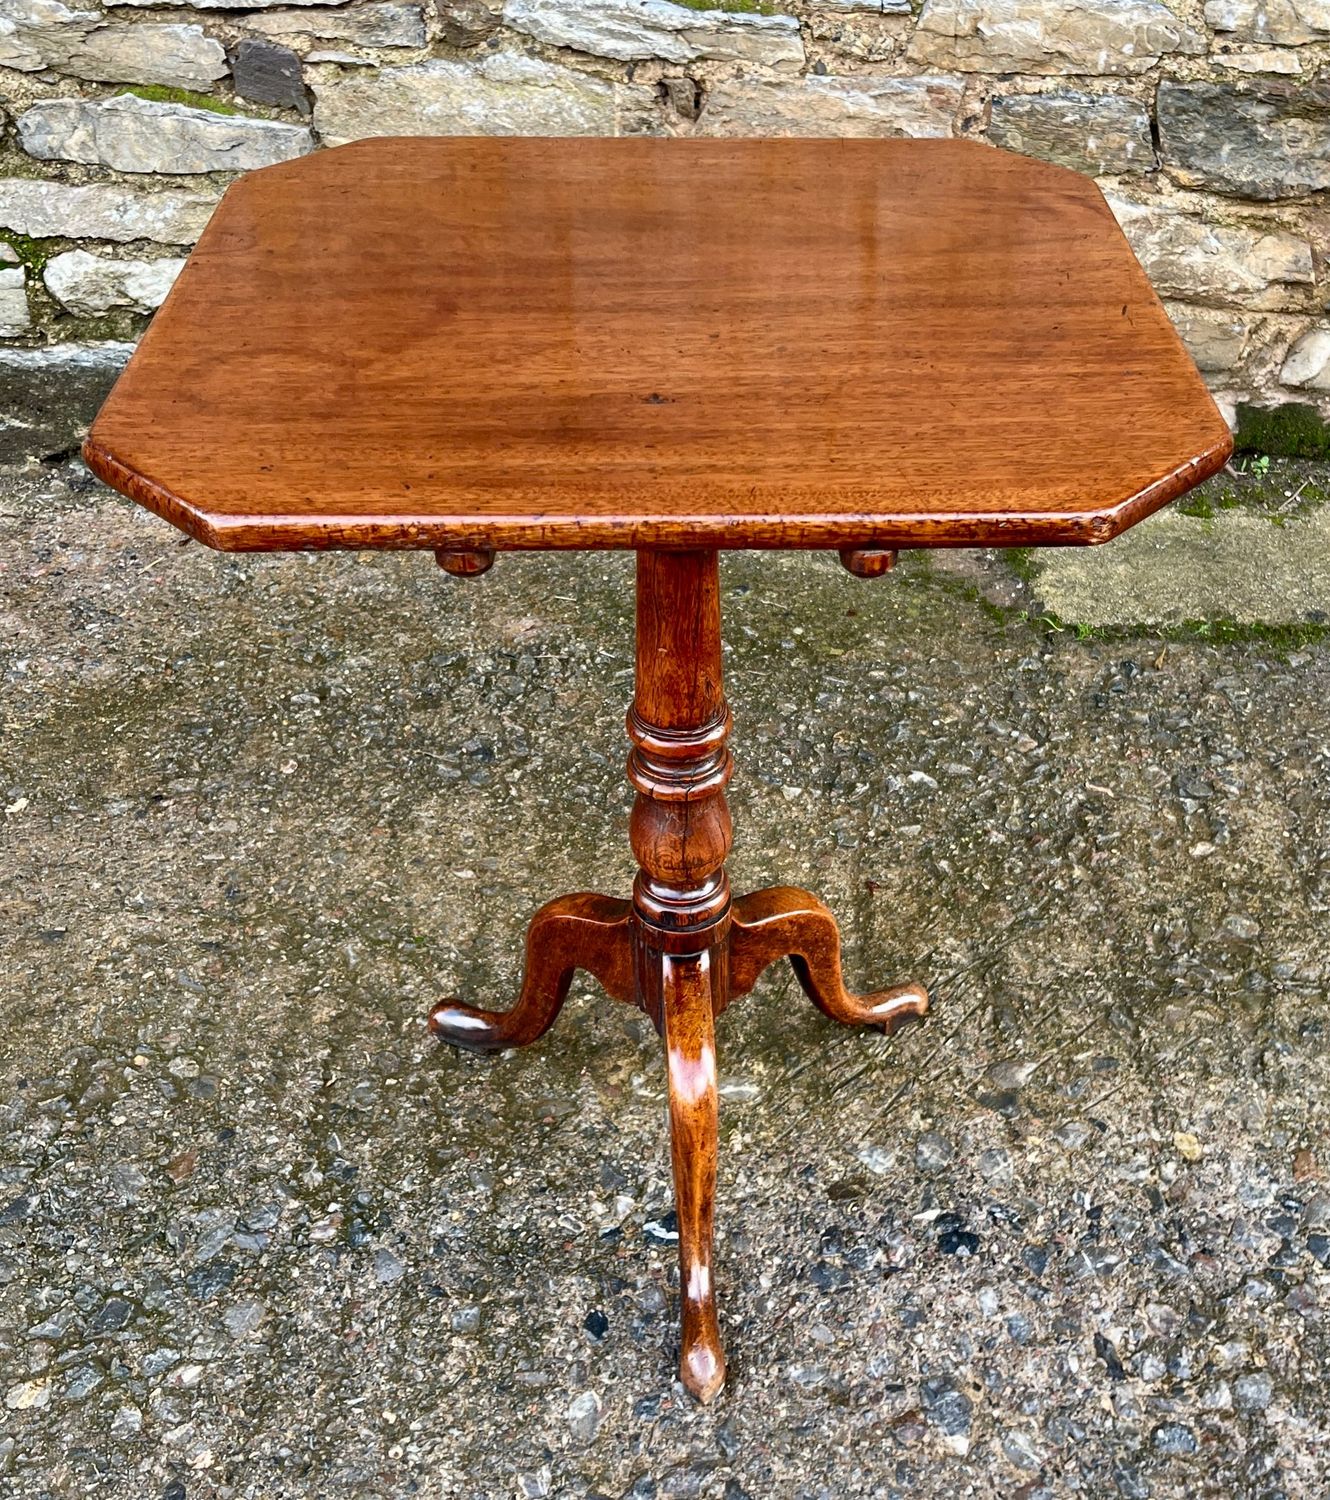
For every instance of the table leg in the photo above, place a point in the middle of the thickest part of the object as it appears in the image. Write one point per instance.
(575, 932)
(785, 922)
(687, 986)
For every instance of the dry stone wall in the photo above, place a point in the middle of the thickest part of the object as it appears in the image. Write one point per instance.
(1206, 122)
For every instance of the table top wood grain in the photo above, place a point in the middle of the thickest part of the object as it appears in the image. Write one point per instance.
(535, 343)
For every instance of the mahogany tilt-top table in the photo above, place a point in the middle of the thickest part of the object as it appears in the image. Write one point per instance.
(674, 346)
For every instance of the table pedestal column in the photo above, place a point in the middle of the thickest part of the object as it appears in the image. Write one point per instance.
(680, 831)
(681, 949)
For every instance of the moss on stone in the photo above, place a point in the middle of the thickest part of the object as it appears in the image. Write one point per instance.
(119, 324)
(1282, 639)
(1207, 503)
(737, 7)
(160, 93)
(1021, 562)
(1294, 429)
(1279, 488)
(33, 253)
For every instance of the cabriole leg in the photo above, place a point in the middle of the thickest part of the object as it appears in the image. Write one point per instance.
(686, 989)
(575, 932)
(785, 922)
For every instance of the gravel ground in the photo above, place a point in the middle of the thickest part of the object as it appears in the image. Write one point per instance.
(260, 1237)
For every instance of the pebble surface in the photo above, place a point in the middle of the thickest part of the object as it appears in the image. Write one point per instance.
(260, 1237)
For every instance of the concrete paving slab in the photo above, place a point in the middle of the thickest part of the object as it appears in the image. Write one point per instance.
(1236, 565)
(49, 396)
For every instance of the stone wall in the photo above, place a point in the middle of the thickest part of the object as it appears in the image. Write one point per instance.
(1207, 122)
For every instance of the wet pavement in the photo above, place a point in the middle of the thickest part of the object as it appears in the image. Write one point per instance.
(260, 1237)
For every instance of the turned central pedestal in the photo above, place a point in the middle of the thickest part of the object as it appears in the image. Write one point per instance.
(682, 949)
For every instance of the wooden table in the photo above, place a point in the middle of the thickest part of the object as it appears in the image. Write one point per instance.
(674, 346)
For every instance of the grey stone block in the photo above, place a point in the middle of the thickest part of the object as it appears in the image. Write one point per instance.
(268, 73)
(48, 397)
(1269, 140)
(1094, 133)
(142, 135)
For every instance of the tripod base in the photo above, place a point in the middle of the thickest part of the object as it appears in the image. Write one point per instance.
(682, 992)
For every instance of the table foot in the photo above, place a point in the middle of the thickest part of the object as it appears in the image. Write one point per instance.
(583, 931)
(688, 987)
(785, 922)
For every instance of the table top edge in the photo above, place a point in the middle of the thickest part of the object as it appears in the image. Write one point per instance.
(534, 531)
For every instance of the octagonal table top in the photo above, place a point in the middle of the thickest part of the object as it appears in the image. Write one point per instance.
(641, 342)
